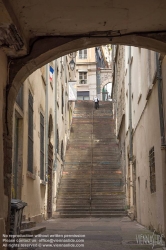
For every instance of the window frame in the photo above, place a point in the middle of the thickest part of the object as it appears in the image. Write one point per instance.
(83, 54)
(30, 133)
(83, 79)
(41, 146)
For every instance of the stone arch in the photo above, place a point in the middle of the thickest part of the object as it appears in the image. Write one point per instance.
(39, 55)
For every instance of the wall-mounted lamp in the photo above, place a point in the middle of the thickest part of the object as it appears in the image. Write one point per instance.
(72, 63)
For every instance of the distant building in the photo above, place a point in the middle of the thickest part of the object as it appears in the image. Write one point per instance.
(89, 63)
(86, 74)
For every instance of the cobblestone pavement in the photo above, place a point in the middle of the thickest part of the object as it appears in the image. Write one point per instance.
(94, 234)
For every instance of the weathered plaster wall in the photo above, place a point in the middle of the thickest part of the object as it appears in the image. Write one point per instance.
(149, 205)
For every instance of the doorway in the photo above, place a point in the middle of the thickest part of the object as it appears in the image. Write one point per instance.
(17, 157)
(49, 192)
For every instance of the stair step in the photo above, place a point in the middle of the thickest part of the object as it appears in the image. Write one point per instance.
(33, 230)
(91, 162)
(27, 224)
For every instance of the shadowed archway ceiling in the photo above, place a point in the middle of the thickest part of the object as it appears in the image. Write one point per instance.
(22, 21)
(32, 32)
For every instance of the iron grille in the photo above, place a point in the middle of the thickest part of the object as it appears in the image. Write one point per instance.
(41, 146)
(152, 170)
(30, 133)
(19, 98)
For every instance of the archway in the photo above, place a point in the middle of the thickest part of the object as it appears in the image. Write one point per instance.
(33, 43)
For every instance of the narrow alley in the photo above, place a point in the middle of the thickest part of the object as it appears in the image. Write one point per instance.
(91, 210)
(96, 233)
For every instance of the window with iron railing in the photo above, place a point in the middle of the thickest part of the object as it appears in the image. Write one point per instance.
(82, 77)
(30, 133)
(83, 54)
(152, 170)
(41, 146)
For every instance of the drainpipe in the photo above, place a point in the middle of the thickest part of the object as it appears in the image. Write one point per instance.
(162, 133)
(55, 115)
(160, 100)
(130, 132)
(46, 123)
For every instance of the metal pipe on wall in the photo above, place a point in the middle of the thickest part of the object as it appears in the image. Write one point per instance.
(162, 133)
(130, 136)
(130, 109)
(55, 114)
(46, 123)
(160, 100)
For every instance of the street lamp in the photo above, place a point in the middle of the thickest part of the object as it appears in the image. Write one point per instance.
(72, 64)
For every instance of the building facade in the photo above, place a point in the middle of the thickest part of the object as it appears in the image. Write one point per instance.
(86, 74)
(41, 128)
(90, 64)
(138, 97)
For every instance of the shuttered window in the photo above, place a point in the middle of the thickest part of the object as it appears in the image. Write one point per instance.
(41, 146)
(57, 142)
(62, 152)
(83, 54)
(30, 133)
(82, 77)
(152, 170)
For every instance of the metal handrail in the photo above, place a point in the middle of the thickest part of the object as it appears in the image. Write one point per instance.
(91, 164)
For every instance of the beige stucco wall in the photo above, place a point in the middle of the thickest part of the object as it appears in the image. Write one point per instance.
(145, 122)
(34, 191)
(149, 205)
(3, 198)
(146, 132)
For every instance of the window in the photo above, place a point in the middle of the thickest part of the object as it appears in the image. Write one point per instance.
(57, 141)
(30, 133)
(152, 170)
(82, 95)
(19, 98)
(41, 146)
(83, 54)
(82, 77)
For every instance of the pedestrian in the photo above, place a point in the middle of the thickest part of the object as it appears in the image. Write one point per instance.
(96, 100)
(98, 103)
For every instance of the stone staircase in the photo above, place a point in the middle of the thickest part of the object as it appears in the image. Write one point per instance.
(30, 227)
(92, 183)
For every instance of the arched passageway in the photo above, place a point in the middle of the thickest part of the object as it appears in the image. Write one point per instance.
(30, 41)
